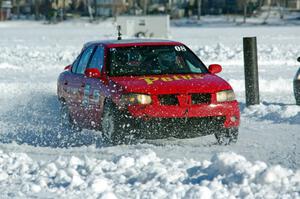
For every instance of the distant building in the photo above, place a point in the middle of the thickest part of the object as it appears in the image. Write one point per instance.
(22, 6)
(5, 10)
(291, 4)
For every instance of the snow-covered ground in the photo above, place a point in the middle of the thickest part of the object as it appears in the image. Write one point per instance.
(37, 159)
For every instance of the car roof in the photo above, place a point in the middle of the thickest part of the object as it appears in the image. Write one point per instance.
(132, 42)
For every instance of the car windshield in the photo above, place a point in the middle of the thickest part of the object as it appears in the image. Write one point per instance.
(153, 60)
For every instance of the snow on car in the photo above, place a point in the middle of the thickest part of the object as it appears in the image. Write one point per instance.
(126, 87)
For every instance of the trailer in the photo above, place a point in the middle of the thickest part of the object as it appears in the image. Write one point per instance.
(150, 26)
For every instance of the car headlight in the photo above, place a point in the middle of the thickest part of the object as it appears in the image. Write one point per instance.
(298, 77)
(131, 99)
(225, 96)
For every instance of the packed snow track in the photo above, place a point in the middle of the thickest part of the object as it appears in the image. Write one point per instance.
(40, 159)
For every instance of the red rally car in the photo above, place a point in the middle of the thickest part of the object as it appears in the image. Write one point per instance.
(147, 88)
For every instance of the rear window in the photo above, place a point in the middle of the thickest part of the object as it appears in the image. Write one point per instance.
(153, 60)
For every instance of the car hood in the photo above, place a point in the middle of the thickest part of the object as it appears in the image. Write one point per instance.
(170, 84)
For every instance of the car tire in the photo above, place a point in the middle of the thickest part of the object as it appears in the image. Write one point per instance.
(66, 119)
(115, 127)
(227, 136)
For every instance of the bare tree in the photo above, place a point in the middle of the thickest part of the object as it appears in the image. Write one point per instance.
(63, 10)
(145, 6)
(90, 10)
(199, 9)
(1, 10)
(37, 9)
(95, 8)
(280, 9)
(260, 5)
(18, 8)
(47, 10)
(245, 10)
(268, 13)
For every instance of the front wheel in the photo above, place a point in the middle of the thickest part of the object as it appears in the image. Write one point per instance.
(227, 136)
(115, 127)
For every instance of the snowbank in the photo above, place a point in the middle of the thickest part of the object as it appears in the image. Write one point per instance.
(144, 175)
(276, 112)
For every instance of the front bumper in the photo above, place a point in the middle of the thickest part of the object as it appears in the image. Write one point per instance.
(228, 111)
(181, 127)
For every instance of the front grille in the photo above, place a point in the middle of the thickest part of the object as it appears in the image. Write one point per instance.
(204, 122)
(182, 127)
(168, 100)
(201, 98)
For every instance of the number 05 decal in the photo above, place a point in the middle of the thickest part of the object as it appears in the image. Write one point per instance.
(86, 94)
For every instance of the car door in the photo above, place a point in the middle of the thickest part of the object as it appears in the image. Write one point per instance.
(78, 89)
(68, 83)
(94, 90)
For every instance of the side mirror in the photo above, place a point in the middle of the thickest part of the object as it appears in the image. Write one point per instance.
(69, 67)
(298, 59)
(214, 68)
(92, 72)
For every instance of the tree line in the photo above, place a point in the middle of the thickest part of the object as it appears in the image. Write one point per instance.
(58, 10)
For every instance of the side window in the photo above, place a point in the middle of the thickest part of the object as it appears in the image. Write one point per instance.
(97, 59)
(85, 57)
(75, 63)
